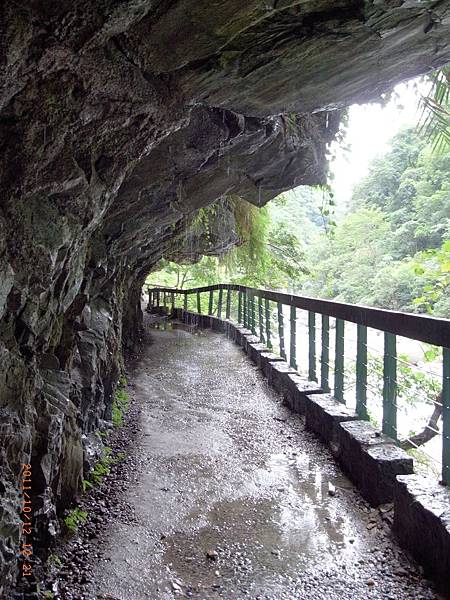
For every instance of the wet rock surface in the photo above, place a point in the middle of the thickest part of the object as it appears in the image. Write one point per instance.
(232, 498)
(64, 569)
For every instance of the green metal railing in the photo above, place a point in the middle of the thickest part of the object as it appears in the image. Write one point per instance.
(256, 310)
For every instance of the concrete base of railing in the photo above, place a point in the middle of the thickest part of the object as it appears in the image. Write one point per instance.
(255, 349)
(372, 460)
(324, 415)
(422, 524)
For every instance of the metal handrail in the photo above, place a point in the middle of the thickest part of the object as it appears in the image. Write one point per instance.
(253, 312)
(424, 328)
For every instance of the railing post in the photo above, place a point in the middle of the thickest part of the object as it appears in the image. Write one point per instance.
(325, 355)
(228, 304)
(239, 306)
(185, 301)
(339, 361)
(267, 311)
(281, 329)
(390, 385)
(361, 372)
(312, 346)
(211, 302)
(164, 299)
(261, 320)
(219, 305)
(150, 297)
(253, 316)
(173, 302)
(157, 298)
(199, 304)
(245, 309)
(293, 338)
(446, 415)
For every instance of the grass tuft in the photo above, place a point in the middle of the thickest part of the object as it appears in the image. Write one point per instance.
(120, 404)
(74, 519)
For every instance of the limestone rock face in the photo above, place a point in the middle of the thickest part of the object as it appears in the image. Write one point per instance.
(118, 121)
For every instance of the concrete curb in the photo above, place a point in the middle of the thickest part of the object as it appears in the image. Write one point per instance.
(422, 524)
(323, 415)
(371, 459)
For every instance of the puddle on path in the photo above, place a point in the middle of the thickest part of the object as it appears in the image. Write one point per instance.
(292, 527)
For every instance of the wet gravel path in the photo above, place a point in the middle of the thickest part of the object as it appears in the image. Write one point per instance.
(231, 498)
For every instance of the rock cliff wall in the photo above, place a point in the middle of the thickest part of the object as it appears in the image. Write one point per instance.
(118, 121)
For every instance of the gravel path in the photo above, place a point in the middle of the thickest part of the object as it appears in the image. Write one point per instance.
(229, 496)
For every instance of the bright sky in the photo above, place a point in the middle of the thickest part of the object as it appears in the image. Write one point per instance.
(370, 128)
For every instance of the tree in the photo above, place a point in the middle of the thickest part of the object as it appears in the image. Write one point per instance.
(343, 266)
(434, 266)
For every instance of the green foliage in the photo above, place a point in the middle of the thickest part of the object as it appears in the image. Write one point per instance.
(391, 248)
(412, 384)
(251, 221)
(435, 118)
(102, 468)
(279, 263)
(434, 267)
(327, 210)
(270, 255)
(87, 485)
(54, 559)
(335, 272)
(74, 519)
(120, 405)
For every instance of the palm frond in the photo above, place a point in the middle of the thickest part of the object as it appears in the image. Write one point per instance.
(434, 122)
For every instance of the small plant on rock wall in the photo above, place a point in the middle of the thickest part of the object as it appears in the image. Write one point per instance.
(74, 519)
(102, 468)
(87, 485)
(44, 593)
(121, 403)
(54, 560)
(119, 457)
